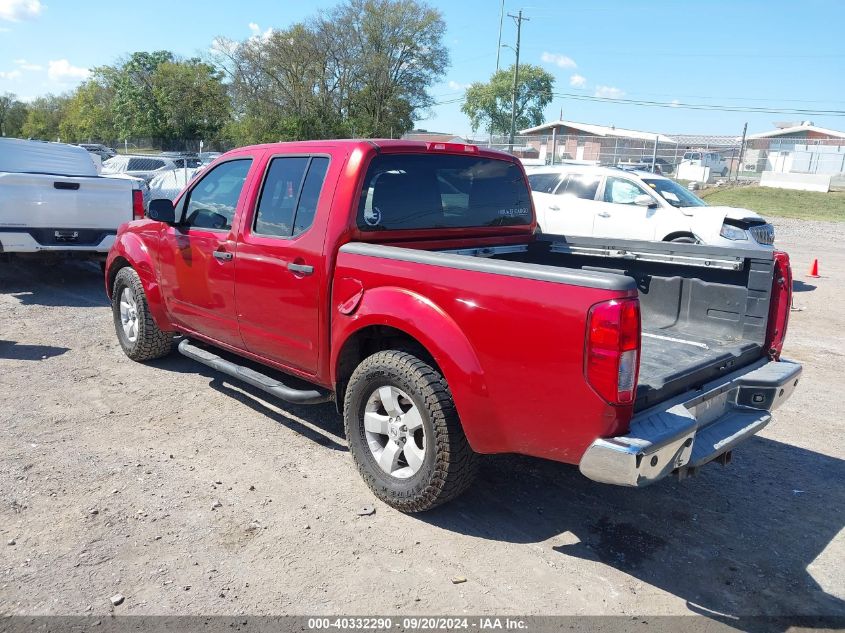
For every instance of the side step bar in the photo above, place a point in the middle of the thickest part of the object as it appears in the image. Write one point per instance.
(252, 377)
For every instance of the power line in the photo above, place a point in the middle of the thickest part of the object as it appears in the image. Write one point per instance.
(701, 106)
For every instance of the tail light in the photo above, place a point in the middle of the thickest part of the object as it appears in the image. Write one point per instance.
(612, 361)
(137, 204)
(779, 305)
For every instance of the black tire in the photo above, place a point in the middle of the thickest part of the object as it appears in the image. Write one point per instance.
(449, 465)
(150, 342)
(686, 239)
(724, 172)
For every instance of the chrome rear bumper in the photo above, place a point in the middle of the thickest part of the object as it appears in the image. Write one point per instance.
(692, 429)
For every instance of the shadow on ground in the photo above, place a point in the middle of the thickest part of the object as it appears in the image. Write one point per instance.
(319, 423)
(733, 542)
(76, 284)
(15, 351)
(800, 286)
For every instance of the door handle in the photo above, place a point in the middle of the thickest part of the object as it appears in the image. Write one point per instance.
(223, 256)
(604, 214)
(300, 269)
(554, 207)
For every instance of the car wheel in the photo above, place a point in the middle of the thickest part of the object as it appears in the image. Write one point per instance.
(139, 336)
(404, 433)
(686, 239)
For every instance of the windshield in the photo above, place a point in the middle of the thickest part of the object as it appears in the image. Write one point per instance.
(427, 191)
(673, 193)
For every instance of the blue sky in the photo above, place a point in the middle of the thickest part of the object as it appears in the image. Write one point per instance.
(767, 53)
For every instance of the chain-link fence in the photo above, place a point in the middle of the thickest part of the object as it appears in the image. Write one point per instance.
(683, 156)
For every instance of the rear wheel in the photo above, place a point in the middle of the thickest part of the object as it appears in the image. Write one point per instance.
(139, 336)
(404, 432)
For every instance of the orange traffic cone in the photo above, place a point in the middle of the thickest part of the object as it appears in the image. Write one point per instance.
(814, 269)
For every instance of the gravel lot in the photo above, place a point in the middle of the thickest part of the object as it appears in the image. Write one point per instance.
(189, 494)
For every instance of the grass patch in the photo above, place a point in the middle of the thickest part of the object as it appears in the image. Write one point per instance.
(783, 203)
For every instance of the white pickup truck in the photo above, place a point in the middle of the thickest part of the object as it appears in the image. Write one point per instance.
(53, 201)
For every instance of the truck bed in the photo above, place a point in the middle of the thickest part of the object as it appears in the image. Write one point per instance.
(704, 309)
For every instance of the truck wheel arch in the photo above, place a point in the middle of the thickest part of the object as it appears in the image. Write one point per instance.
(679, 234)
(425, 331)
(130, 251)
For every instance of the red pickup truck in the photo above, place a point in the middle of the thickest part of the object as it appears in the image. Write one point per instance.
(407, 282)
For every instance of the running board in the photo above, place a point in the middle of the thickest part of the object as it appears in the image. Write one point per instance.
(252, 377)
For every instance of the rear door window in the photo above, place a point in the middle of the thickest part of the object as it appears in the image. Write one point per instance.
(290, 194)
(144, 164)
(429, 191)
(543, 183)
(580, 186)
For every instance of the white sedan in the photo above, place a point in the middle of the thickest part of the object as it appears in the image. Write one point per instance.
(636, 205)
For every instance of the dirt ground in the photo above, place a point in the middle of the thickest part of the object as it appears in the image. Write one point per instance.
(110, 472)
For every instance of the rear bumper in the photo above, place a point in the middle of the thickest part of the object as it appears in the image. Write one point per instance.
(24, 242)
(693, 429)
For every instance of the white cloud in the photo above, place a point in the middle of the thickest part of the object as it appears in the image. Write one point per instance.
(675, 103)
(562, 61)
(25, 65)
(11, 75)
(63, 71)
(454, 85)
(609, 92)
(17, 10)
(577, 81)
(257, 34)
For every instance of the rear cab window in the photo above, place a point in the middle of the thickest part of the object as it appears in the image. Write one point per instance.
(431, 191)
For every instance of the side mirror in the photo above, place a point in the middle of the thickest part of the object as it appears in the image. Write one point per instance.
(161, 210)
(643, 200)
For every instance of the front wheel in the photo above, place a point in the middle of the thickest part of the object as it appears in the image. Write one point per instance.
(685, 239)
(139, 336)
(404, 433)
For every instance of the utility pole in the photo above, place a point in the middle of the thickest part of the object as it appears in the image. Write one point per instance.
(741, 152)
(518, 19)
(498, 53)
(501, 19)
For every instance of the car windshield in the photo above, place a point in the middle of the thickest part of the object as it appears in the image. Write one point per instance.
(673, 193)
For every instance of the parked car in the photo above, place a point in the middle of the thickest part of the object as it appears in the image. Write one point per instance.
(617, 203)
(405, 282)
(139, 166)
(99, 149)
(190, 160)
(53, 202)
(661, 166)
(206, 158)
(717, 163)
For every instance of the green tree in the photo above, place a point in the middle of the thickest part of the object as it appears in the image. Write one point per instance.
(134, 107)
(488, 105)
(12, 114)
(363, 68)
(44, 116)
(88, 115)
(191, 100)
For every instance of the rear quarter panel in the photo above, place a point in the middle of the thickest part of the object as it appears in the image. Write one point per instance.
(511, 349)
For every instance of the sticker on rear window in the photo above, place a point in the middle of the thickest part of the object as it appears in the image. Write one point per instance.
(372, 216)
(515, 212)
